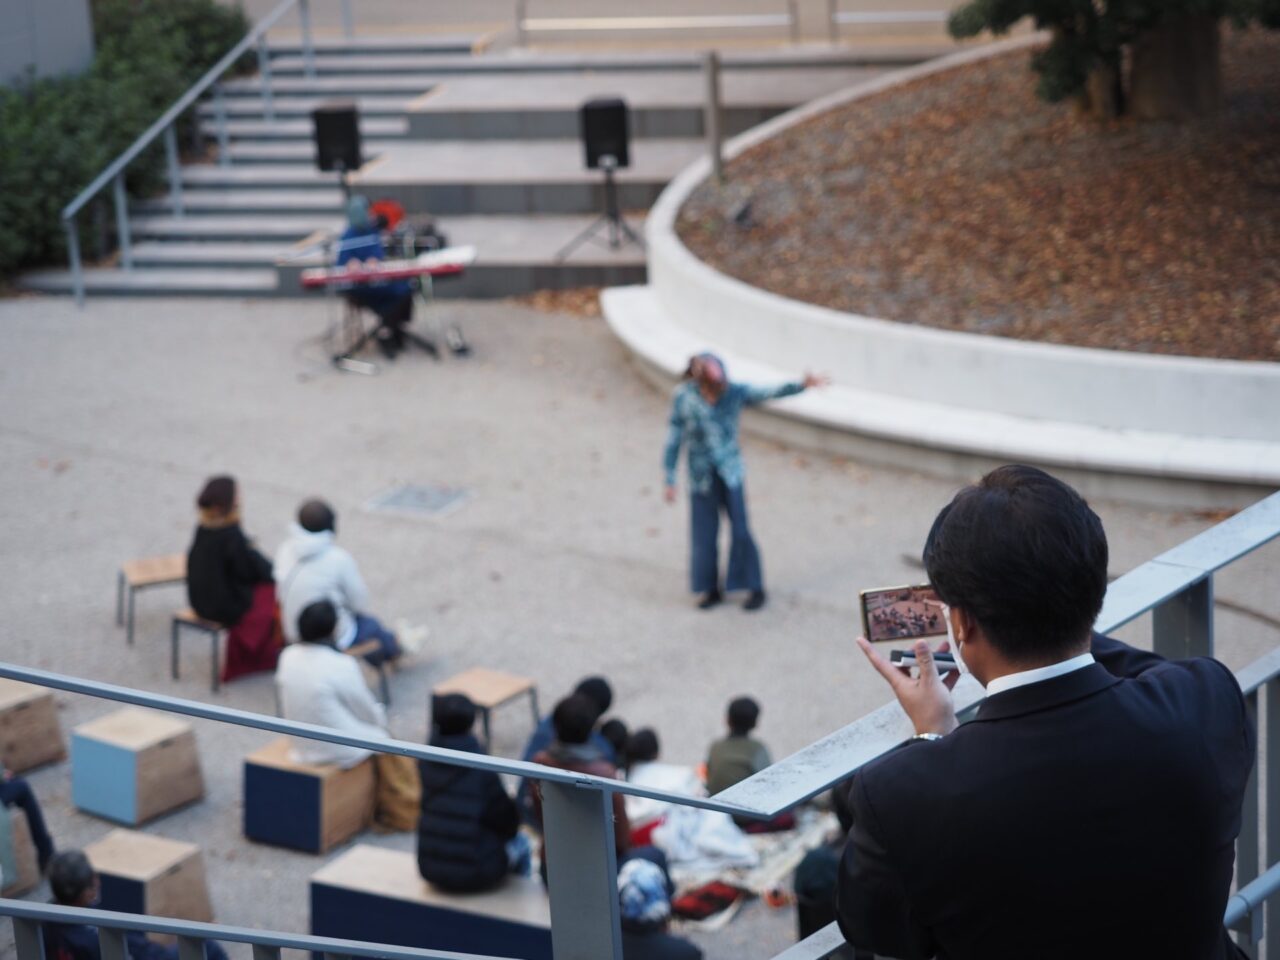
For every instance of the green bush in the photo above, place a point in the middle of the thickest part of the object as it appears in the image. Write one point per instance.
(57, 134)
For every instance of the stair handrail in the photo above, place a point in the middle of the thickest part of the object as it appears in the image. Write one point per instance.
(114, 173)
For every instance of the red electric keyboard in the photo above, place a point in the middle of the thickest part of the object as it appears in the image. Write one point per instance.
(437, 263)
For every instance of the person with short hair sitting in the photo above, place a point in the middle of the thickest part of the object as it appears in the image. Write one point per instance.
(391, 300)
(321, 685)
(738, 755)
(574, 720)
(596, 690)
(74, 883)
(469, 830)
(310, 566)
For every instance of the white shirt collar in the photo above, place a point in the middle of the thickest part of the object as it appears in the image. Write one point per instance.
(1011, 680)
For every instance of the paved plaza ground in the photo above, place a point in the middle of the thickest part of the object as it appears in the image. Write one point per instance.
(563, 560)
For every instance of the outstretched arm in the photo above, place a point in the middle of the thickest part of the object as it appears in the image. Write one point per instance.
(753, 395)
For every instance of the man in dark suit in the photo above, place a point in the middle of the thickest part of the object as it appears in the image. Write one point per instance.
(1090, 809)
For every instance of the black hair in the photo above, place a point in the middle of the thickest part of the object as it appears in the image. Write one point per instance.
(642, 746)
(743, 714)
(317, 621)
(1023, 554)
(615, 731)
(218, 493)
(70, 875)
(574, 718)
(316, 516)
(597, 689)
(452, 713)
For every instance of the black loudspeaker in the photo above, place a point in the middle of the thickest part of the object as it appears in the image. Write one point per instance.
(337, 136)
(606, 131)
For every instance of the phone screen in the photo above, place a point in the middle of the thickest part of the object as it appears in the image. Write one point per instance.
(902, 613)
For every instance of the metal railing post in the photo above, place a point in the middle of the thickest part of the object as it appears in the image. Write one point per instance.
(111, 944)
(264, 73)
(1271, 944)
(1182, 626)
(833, 28)
(520, 16)
(27, 939)
(175, 169)
(793, 16)
(582, 872)
(348, 22)
(122, 221)
(308, 48)
(73, 259)
(712, 114)
(1247, 843)
(220, 117)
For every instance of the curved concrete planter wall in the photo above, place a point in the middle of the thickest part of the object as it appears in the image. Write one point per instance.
(989, 397)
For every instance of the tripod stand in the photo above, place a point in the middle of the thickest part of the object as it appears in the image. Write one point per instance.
(612, 220)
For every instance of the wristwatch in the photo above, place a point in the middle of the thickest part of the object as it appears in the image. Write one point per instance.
(927, 736)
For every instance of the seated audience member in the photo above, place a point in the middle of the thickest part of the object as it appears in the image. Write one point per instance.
(469, 832)
(816, 875)
(598, 691)
(1095, 784)
(739, 755)
(310, 566)
(319, 684)
(574, 719)
(391, 300)
(614, 732)
(16, 792)
(75, 884)
(644, 902)
(229, 582)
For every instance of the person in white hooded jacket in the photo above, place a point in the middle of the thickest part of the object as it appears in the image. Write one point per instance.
(310, 566)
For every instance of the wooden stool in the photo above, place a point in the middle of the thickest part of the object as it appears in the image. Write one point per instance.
(304, 806)
(133, 765)
(372, 888)
(140, 873)
(30, 734)
(137, 575)
(17, 853)
(489, 689)
(189, 619)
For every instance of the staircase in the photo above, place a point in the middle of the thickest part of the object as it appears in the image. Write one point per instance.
(487, 142)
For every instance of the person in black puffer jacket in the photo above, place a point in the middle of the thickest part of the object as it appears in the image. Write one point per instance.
(468, 820)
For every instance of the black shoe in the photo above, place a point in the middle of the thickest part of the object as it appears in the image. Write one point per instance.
(387, 344)
(710, 599)
(755, 601)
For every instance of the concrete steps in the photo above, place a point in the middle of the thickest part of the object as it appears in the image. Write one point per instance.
(487, 143)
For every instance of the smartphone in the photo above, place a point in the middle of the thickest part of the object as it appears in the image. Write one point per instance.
(902, 613)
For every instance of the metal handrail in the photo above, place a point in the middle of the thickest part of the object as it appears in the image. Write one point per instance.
(114, 172)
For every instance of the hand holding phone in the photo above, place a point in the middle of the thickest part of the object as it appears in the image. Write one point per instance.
(901, 613)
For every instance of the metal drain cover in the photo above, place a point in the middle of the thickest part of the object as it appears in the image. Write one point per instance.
(418, 500)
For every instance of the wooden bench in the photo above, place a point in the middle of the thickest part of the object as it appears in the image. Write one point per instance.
(304, 806)
(372, 888)
(187, 618)
(488, 690)
(135, 575)
(30, 734)
(17, 854)
(133, 765)
(141, 873)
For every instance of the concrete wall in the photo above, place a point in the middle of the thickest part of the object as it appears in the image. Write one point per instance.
(51, 37)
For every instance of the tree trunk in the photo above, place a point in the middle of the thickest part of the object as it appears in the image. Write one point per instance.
(1176, 69)
(1103, 95)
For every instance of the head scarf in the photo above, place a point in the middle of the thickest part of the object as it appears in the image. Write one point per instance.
(642, 895)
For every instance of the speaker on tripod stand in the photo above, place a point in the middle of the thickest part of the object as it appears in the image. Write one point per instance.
(606, 139)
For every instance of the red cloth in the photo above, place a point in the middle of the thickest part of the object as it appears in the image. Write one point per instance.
(254, 643)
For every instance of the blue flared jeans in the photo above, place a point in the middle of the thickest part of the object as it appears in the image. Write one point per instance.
(704, 561)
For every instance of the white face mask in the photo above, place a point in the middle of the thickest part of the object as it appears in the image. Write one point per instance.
(952, 642)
